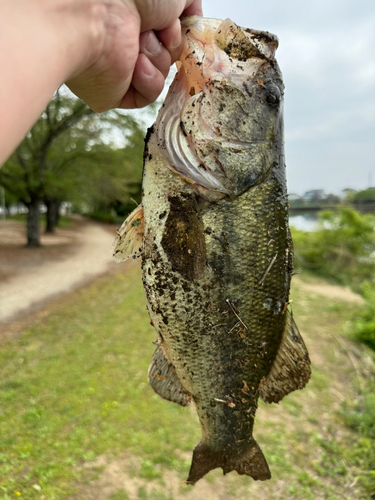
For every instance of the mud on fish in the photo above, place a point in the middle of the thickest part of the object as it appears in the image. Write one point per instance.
(216, 249)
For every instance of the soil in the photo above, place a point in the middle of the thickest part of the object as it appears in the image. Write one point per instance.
(32, 278)
(328, 290)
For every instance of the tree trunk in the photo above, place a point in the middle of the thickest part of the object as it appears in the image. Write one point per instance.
(33, 224)
(52, 214)
(57, 212)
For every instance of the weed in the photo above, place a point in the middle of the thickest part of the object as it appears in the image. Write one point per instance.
(364, 322)
(120, 495)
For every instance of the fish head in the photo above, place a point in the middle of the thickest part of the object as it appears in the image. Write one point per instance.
(222, 124)
(218, 49)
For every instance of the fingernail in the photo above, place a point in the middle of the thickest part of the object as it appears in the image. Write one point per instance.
(176, 41)
(176, 35)
(152, 45)
(148, 69)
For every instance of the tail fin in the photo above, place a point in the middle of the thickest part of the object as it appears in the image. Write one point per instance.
(249, 461)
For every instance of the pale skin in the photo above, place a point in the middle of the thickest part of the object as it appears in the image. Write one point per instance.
(111, 53)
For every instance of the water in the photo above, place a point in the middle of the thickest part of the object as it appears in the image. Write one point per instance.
(305, 221)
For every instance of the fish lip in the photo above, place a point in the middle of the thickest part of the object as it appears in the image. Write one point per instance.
(199, 28)
(197, 21)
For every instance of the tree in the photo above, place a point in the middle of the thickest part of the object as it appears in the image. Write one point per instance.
(75, 155)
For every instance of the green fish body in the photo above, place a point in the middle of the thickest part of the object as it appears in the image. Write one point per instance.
(217, 254)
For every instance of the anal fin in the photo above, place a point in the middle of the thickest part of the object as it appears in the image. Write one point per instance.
(291, 369)
(247, 460)
(163, 379)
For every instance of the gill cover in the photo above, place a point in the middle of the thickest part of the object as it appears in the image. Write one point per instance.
(217, 116)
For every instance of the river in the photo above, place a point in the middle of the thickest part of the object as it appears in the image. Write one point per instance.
(305, 221)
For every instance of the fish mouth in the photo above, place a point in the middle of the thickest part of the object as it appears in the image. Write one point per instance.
(227, 34)
(214, 49)
(220, 61)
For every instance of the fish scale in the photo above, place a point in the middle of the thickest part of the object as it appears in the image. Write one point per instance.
(217, 255)
(198, 351)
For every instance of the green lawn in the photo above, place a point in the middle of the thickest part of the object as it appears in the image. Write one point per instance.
(74, 387)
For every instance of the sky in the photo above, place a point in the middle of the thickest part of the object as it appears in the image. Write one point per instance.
(327, 56)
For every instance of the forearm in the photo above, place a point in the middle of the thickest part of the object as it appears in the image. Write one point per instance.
(106, 51)
(42, 44)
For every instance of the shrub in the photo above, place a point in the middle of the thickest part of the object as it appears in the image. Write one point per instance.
(364, 324)
(108, 218)
(342, 248)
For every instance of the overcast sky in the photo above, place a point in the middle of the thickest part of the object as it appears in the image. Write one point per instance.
(327, 56)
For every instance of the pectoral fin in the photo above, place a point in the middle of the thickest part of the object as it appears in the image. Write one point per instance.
(163, 379)
(129, 240)
(291, 368)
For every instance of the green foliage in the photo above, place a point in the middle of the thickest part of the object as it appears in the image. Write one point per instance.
(63, 221)
(359, 416)
(341, 249)
(364, 323)
(72, 154)
(364, 196)
(99, 216)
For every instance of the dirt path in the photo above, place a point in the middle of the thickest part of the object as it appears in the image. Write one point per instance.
(335, 292)
(31, 278)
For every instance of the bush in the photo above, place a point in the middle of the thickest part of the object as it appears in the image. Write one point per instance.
(364, 324)
(341, 249)
(102, 217)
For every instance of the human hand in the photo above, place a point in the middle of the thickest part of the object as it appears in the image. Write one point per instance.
(133, 49)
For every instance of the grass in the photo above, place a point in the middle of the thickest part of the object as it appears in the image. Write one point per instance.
(74, 387)
(64, 221)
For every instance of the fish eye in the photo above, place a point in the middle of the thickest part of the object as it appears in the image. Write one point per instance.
(273, 94)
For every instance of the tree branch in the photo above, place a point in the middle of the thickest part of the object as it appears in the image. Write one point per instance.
(21, 160)
(78, 113)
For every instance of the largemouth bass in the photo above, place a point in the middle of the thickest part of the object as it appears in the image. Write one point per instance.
(217, 254)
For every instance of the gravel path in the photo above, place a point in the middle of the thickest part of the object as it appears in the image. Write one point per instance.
(68, 260)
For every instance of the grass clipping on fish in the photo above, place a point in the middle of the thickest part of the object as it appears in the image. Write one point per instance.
(217, 254)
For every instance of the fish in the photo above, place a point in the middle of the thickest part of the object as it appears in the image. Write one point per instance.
(217, 253)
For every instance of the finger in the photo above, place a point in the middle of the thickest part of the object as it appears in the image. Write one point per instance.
(152, 48)
(194, 9)
(171, 39)
(147, 84)
(161, 14)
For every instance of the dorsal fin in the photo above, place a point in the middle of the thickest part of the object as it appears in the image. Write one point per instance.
(163, 379)
(291, 369)
(129, 239)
